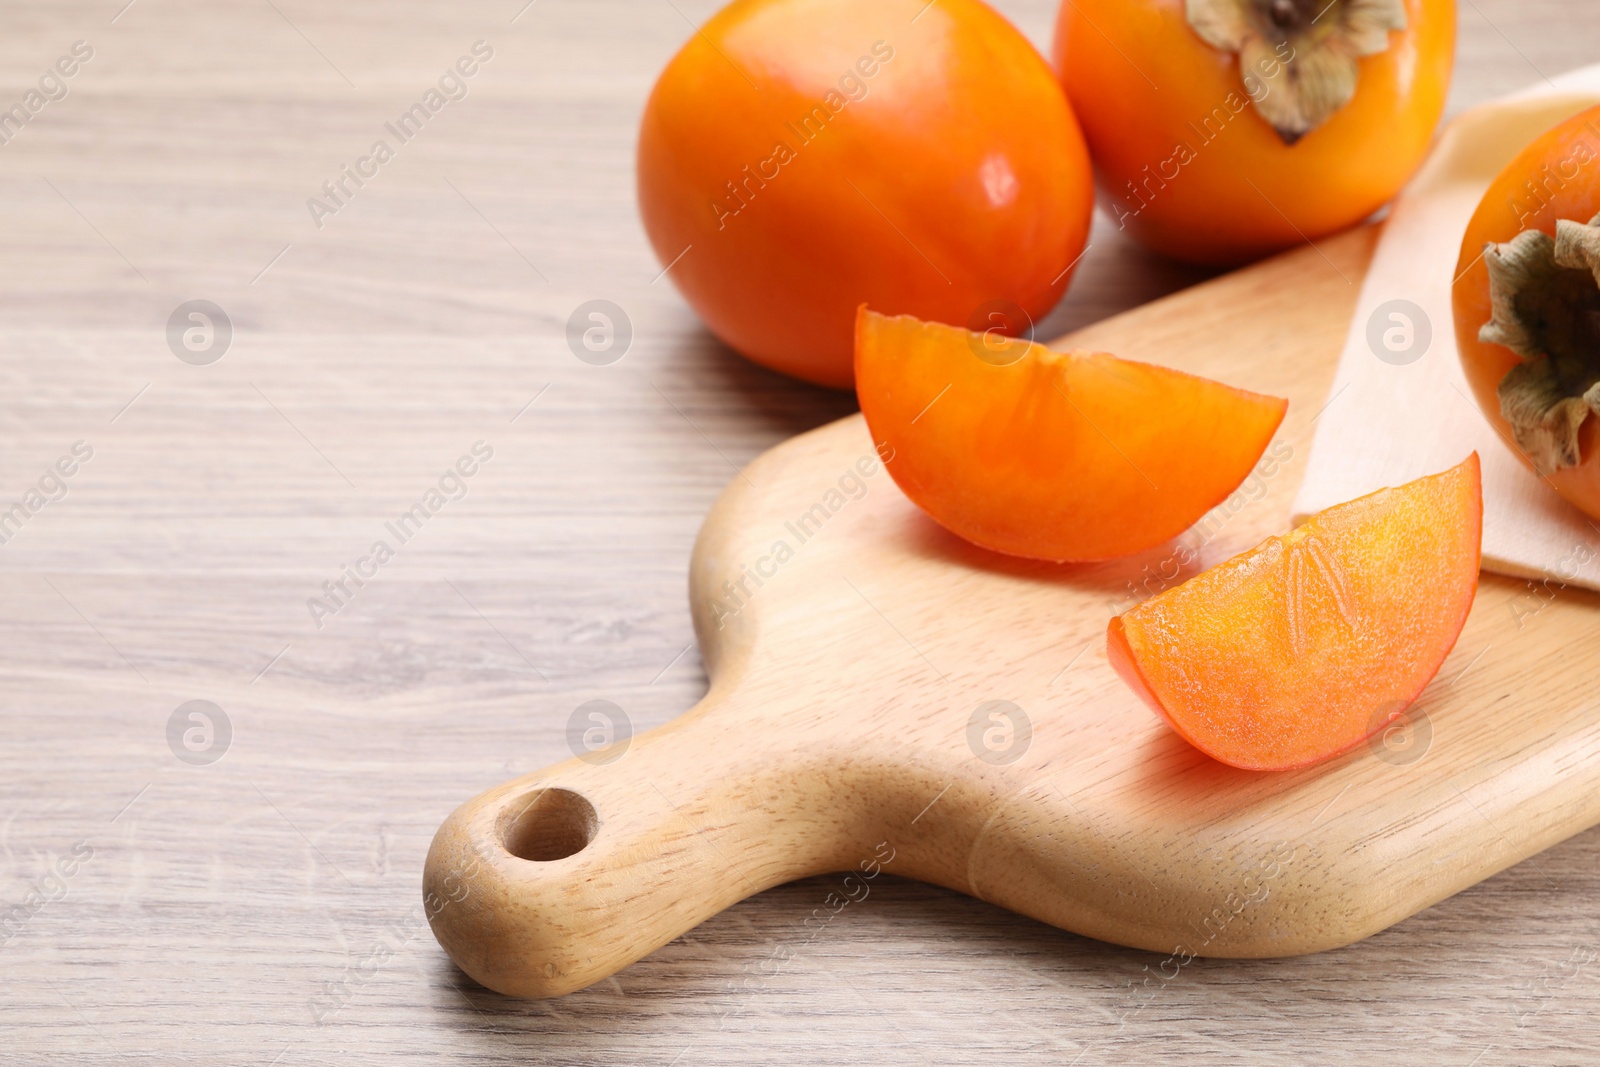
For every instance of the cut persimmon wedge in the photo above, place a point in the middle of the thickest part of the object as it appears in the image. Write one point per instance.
(1310, 643)
(1051, 455)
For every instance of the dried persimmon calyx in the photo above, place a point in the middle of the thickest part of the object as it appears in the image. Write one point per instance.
(1544, 298)
(1297, 57)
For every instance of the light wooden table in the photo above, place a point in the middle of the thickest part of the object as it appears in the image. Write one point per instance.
(265, 908)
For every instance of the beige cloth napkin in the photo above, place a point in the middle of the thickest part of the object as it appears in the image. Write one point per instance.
(1398, 410)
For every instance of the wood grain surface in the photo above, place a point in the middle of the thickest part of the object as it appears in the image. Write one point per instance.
(266, 908)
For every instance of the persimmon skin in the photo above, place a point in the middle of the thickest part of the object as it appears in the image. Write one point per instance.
(1309, 644)
(960, 177)
(1564, 165)
(1061, 456)
(1244, 193)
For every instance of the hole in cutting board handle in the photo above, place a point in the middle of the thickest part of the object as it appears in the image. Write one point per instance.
(549, 824)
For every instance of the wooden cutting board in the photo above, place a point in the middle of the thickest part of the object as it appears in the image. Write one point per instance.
(887, 698)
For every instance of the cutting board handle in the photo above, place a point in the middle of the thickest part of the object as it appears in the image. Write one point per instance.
(555, 880)
(551, 881)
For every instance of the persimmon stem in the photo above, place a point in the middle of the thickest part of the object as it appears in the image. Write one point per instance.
(1297, 58)
(1544, 296)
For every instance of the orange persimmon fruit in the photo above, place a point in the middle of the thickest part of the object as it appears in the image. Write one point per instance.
(1310, 643)
(1222, 130)
(799, 157)
(1526, 303)
(1065, 456)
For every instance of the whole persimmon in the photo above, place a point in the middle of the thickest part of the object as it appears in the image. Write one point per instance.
(800, 157)
(1223, 130)
(1526, 303)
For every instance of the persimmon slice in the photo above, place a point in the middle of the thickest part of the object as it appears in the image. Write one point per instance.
(1310, 643)
(1051, 455)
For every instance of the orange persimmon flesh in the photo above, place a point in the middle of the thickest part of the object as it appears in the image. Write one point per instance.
(1310, 643)
(1051, 455)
